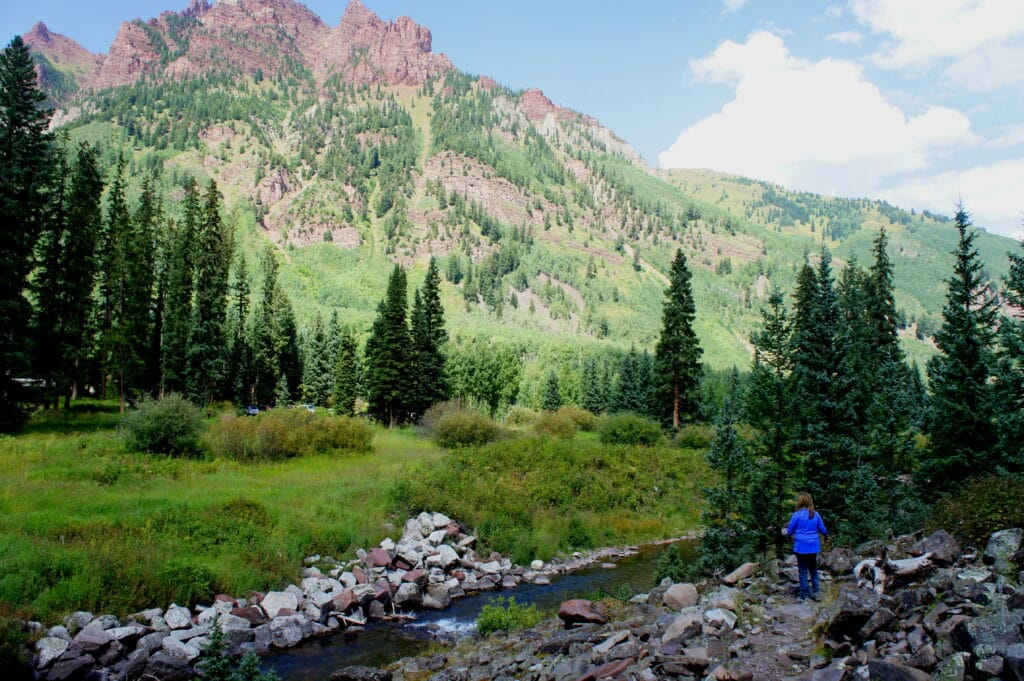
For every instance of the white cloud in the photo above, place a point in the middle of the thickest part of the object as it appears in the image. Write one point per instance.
(817, 126)
(991, 193)
(977, 42)
(833, 12)
(846, 37)
(733, 5)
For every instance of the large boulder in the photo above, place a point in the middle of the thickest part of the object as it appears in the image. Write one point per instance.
(942, 546)
(683, 627)
(91, 640)
(1013, 661)
(71, 669)
(276, 601)
(582, 611)
(178, 617)
(437, 597)
(48, 649)
(1001, 548)
(179, 650)
(852, 608)
(288, 630)
(168, 668)
(838, 561)
(881, 670)
(358, 673)
(408, 595)
(679, 596)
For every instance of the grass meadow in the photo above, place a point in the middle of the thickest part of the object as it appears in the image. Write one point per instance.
(85, 524)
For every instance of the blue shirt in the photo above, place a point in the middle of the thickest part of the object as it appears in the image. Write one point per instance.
(804, 531)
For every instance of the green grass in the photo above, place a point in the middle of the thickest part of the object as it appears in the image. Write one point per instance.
(84, 524)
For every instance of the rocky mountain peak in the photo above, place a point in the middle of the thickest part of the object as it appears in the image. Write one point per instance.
(38, 33)
(63, 54)
(196, 8)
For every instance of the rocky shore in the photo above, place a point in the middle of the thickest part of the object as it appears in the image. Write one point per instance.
(433, 562)
(916, 609)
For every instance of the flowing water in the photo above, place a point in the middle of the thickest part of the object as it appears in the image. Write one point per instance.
(381, 643)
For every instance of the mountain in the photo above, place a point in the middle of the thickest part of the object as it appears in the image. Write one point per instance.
(62, 65)
(354, 146)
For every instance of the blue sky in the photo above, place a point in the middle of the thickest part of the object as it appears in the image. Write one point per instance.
(916, 101)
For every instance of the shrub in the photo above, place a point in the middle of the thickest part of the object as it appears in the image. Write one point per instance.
(433, 415)
(670, 564)
(13, 639)
(507, 616)
(167, 426)
(465, 429)
(285, 433)
(694, 436)
(185, 579)
(583, 419)
(519, 415)
(986, 505)
(555, 424)
(628, 429)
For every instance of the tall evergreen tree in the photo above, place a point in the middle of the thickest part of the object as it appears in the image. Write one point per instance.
(265, 368)
(388, 357)
(24, 180)
(177, 321)
(317, 368)
(1009, 372)
(594, 386)
(151, 272)
(286, 336)
(960, 430)
(239, 352)
(630, 393)
(346, 375)
(678, 351)
(206, 363)
(552, 398)
(428, 339)
(67, 271)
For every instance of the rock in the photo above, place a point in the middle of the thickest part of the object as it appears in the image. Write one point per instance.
(880, 670)
(879, 619)
(942, 546)
(168, 668)
(436, 537)
(683, 628)
(1013, 660)
(130, 634)
(253, 614)
(990, 666)
(59, 631)
(445, 557)
(724, 673)
(48, 649)
(838, 561)
(537, 565)
(105, 622)
(723, 598)
(440, 520)
(178, 617)
(91, 640)
(78, 620)
(344, 601)
(408, 595)
(276, 601)
(830, 674)
(378, 558)
(179, 650)
(996, 630)
(228, 623)
(151, 642)
(360, 674)
(72, 669)
(1001, 547)
(679, 596)
(721, 618)
(287, 631)
(437, 597)
(850, 611)
(113, 653)
(581, 611)
(609, 670)
(744, 571)
(133, 667)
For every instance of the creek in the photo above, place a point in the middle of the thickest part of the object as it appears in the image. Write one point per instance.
(381, 643)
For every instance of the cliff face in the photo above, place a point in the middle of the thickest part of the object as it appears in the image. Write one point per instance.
(251, 36)
(66, 66)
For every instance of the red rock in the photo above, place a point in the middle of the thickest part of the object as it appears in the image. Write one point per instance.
(611, 670)
(417, 577)
(537, 106)
(251, 614)
(344, 601)
(224, 598)
(360, 575)
(580, 611)
(377, 558)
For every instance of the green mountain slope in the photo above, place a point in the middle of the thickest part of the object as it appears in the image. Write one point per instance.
(553, 235)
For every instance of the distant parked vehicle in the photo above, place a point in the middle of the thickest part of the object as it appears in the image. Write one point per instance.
(311, 408)
(251, 410)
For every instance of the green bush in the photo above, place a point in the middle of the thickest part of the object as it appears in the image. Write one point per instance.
(628, 429)
(694, 436)
(519, 415)
(670, 564)
(284, 433)
(583, 419)
(433, 415)
(187, 580)
(465, 429)
(13, 657)
(166, 426)
(986, 505)
(507, 616)
(555, 424)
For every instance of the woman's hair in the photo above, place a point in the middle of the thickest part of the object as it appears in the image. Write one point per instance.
(804, 500)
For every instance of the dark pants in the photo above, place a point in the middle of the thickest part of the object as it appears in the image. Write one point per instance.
(807, 563)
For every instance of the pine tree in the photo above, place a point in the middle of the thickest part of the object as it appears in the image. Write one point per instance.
(630, 392)
(178, 299)
(317, 369)
(286, 344)
(24, 181)
(594, 385)
(151, 272)
(1009, 372)
(239, 352)
(388, 356)
(206, 364)
(346, 375)
(678, 351)
(552, 399)
(961, 435)
(429, 337)
(265, 369)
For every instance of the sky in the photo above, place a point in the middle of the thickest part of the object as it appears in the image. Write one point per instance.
(918, 102)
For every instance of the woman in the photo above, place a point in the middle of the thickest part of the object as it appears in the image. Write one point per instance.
(804, 527)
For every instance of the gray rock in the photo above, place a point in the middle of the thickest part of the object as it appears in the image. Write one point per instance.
(536, 565)
(74, 668)
(233, 622)
(48, 649)
(830, 674)
(994, 631)
(850, 611)
(105, 622)
(724, 598)
(439, 520)
(1001, 547)
(1013, 659)
(59, 631)
(168, 668)
(721, 618)
(408, 595)
(942, 545)
(683, 628)
(150, 614)
(133, 667)
(262, 639)
(679, 596)
(128, 634)
(376, 610)
(953, 668)
(91, 640)
(838, 561)
(178, 617)
(880, 619)
(181, 651)
(358, 673)
(437, 597)
(78, 620)
(276, 601)
(190, 633)
(881, 670)
(287, 631)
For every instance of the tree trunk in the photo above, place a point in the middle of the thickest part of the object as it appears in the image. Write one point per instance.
(675, 404)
